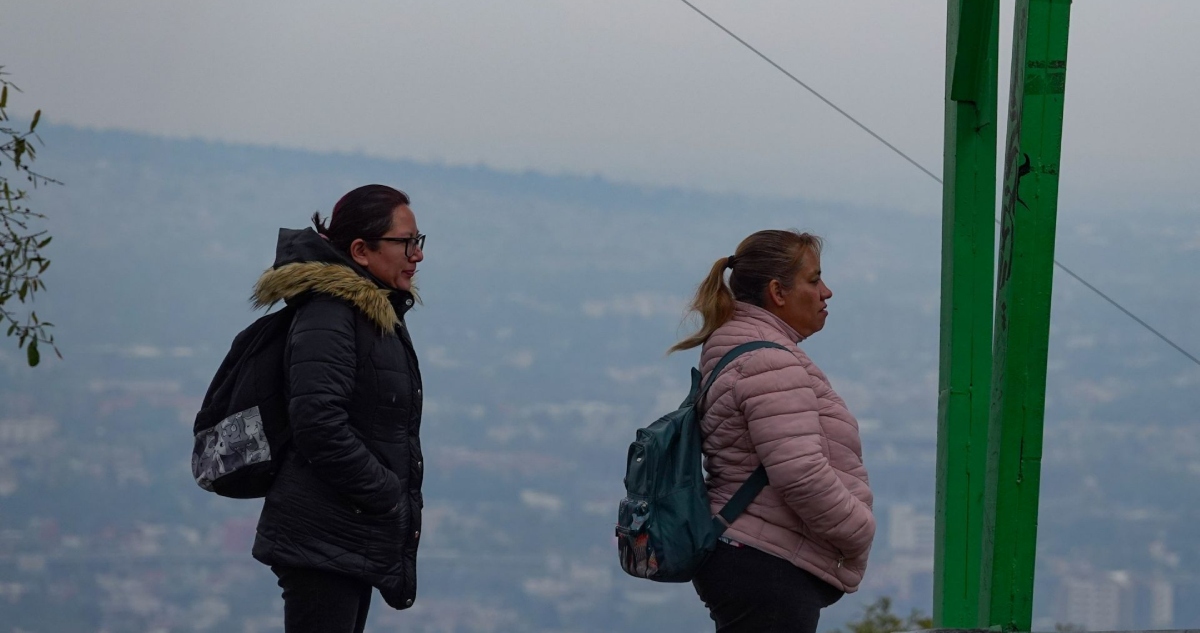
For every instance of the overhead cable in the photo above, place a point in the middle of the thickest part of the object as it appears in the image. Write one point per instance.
(908, 158)
(815, 93)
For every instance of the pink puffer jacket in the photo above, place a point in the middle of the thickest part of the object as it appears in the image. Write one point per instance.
(776, 407)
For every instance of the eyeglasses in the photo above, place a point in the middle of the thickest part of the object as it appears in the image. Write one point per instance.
(409, 243)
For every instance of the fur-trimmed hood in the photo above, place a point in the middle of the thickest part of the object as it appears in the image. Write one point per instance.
(305, 262)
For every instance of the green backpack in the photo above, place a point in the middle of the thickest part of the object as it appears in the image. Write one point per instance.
(665, 529)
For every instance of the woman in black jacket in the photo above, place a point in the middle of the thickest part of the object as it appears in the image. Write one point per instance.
(344, 513)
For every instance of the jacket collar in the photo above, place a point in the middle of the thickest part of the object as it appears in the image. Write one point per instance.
(383, 306)
(750, 312)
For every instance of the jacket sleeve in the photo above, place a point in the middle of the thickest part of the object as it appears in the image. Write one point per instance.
(322, 370)
(776, 395)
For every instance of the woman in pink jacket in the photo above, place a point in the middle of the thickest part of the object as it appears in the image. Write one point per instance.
(803, 542)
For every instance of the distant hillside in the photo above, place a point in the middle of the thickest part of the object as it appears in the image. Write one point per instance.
(549, 304)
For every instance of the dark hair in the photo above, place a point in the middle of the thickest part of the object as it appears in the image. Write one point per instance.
(365, 213)
(760, 258)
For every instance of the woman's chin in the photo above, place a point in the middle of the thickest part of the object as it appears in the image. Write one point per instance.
(403, 284)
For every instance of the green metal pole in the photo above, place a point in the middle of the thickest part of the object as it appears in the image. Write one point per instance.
(1022, 327)
(968, 242)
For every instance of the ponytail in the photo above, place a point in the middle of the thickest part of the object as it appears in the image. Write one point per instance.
(319, 225)
(714, 304)
(762, 257)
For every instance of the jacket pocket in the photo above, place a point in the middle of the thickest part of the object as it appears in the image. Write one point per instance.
(369, 516)
(389, 420)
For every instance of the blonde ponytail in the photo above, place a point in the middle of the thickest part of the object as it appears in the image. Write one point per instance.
(714, 304)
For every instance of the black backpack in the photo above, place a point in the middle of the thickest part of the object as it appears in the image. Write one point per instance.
(242, 428)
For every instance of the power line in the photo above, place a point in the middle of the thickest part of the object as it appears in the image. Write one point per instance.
(814, 92)
(908, 158)
(1130, 314)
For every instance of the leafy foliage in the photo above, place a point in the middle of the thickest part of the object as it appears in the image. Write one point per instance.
(877, 617)
(21, 261)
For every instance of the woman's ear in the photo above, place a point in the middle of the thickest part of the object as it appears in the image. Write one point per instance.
(358, 252)
(775, 293)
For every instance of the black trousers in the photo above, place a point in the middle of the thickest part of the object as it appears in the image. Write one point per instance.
(322, 602)
(747, 590)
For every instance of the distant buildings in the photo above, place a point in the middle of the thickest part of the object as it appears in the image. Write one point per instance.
(903, 568)
(1079, 594)
(910, 531)
(16, 432)
(1114, 600)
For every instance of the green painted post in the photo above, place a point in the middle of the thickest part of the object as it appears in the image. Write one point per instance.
(1022, 326)
(968, 243)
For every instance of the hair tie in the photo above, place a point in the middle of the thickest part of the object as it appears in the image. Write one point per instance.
(324, 237)
(729, 261)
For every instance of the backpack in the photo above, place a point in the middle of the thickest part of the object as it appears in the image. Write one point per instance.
(242, 428)
(665, 528)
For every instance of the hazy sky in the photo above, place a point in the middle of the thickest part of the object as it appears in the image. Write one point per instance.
(642, 91)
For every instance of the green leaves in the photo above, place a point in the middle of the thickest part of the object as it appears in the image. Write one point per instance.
(21, 243)
(19, 148)
(877, 617)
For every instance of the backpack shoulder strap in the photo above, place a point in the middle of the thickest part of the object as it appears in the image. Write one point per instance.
(741, 499)
(758, 479)
(728, 358)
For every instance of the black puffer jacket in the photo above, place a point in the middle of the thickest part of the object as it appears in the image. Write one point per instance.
(347, 498)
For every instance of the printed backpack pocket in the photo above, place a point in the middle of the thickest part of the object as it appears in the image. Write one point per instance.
(636, 550)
